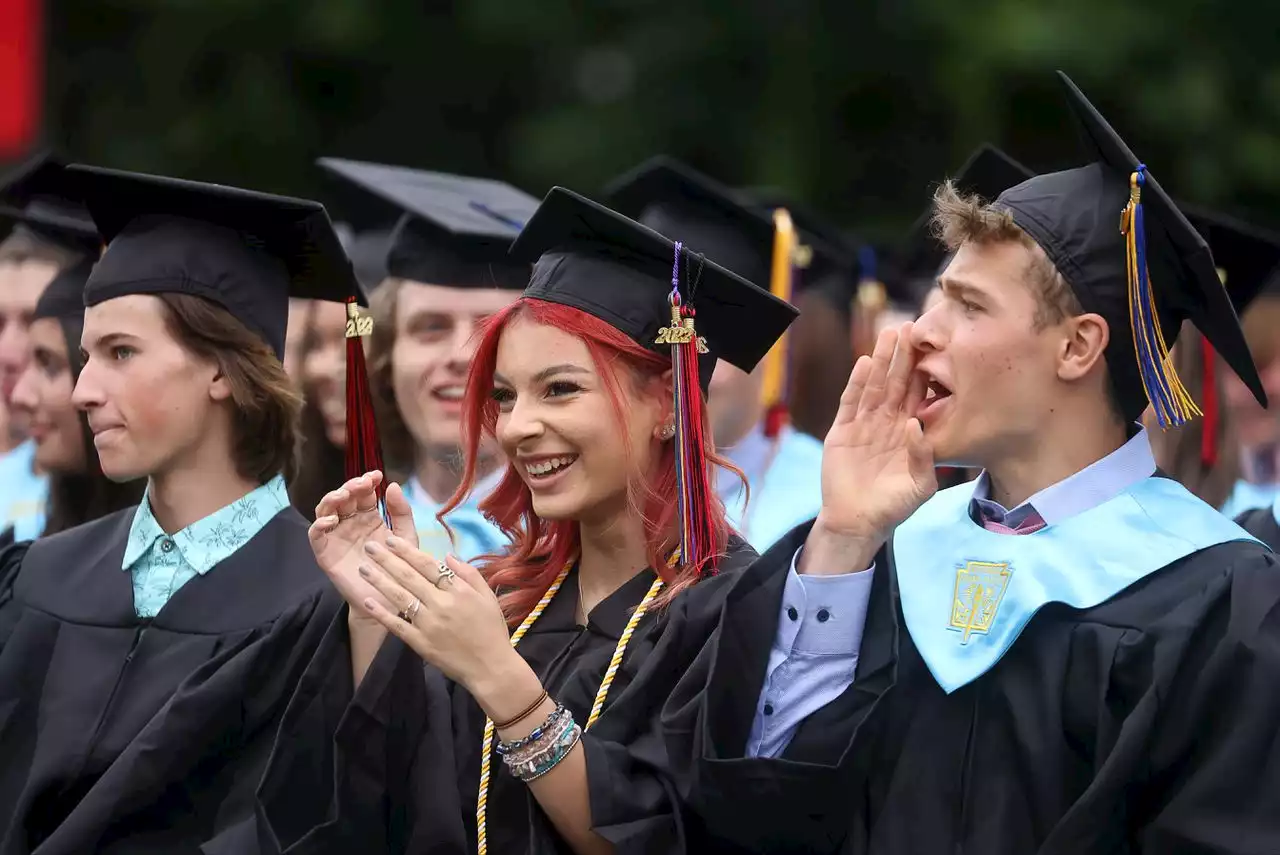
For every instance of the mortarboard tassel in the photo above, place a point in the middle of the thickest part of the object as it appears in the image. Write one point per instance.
(787, 255)
(1209, 436)
(693, 481)
(868, 303)
(364, 449)
(1169, 399)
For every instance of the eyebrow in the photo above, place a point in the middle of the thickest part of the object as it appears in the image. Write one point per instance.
(110, 339)
(951, 287)
(563, 368)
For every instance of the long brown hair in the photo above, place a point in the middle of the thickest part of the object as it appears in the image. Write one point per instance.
(323, 466)
(76, 498)
(267, 407)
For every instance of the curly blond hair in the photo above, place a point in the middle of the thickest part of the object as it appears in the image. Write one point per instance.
(959, 219)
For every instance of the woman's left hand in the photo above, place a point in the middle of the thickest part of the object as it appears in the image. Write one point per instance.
(458, 626)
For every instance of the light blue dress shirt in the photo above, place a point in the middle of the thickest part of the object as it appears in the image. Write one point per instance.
(785, 475)
(814, 657)
(1245, 496)
(23, 492)
(474, 534)
(161, 564)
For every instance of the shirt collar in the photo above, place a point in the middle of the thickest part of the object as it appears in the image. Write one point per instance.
(1098, 482)
(210, 540)
(416, 495)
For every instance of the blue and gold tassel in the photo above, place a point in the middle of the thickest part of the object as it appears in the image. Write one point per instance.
(1172, 403)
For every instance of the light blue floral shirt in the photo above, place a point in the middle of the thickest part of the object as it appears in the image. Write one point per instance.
(23, 492)
(161, 564)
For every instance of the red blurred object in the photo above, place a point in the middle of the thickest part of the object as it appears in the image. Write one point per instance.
(1209, 436)
(21, 76)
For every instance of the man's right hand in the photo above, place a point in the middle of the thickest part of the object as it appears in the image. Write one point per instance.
(876, 466)
(347, 519)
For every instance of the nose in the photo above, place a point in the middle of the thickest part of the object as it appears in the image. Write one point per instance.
(14, 347)
(928, 333)
(25, 396)
(462, 346)
(88, 392)
(519, 425)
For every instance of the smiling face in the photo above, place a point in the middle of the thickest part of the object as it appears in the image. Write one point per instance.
(43, 393)
(324, 367)
(435, 341)
(560, 429)
(150, 403)
(993, 369)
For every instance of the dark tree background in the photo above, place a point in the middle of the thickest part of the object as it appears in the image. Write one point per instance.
(854, 106)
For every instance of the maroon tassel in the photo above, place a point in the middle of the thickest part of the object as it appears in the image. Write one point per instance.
(364, 449)
(1209, 434)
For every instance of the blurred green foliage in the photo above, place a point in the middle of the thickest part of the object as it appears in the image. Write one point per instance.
(856, 107)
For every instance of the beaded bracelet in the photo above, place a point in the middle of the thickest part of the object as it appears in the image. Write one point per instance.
(550, 733)
(507, 747)
(548, 758)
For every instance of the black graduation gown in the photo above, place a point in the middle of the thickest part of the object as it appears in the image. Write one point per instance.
(397, 768)
(1150, 723)
(1261, 523)
(121, 734)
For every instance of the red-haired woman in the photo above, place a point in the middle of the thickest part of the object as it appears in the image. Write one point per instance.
(523, 736)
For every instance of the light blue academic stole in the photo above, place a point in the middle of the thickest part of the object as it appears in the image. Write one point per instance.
(967, 593)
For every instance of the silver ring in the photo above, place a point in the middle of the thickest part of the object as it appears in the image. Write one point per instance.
(446, 574)
(357, 512)
(412, 612)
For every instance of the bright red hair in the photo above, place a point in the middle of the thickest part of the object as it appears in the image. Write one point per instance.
(540, 548)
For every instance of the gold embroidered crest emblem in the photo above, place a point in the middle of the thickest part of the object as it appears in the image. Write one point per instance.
(980, 586)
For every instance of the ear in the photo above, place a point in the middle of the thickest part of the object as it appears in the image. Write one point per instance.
(1083, 346)
(219, 388)
(661, 387)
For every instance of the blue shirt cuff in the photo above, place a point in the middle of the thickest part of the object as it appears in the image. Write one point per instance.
(823, 615)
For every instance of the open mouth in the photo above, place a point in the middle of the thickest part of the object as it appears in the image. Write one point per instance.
(936, 393)
(547, 468)
(452, 393)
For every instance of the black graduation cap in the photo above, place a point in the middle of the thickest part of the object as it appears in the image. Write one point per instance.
(1248, 257)
(248, 252)
(64, 296)
(987, 173)
(597, 260)
(683, 204)
(38, 195)
(1075, 217)
(454, 231)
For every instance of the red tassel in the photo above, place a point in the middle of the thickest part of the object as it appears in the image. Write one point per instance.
(694, 496)
(1209, 432)
(364, 449)
(693, 469)
(775, 419)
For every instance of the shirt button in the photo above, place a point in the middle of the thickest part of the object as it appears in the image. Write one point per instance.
(768, 709)
(823, 616)
(166, 545)
(792, 613)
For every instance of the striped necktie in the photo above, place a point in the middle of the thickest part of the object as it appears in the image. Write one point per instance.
(1031, 522)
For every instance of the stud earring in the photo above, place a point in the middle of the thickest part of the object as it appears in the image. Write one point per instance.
(668, 431)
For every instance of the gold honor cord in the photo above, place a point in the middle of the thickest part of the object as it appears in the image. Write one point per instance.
(486, 745)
